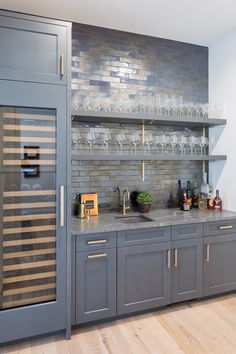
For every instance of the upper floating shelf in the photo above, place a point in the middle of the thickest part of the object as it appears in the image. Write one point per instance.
(112, 157)
(138, 118)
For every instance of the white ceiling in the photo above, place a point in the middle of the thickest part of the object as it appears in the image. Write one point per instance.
(195, 21)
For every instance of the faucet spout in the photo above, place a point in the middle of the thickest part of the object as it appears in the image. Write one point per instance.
(126, 201)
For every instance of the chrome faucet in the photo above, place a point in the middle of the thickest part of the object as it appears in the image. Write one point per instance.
(124, 206)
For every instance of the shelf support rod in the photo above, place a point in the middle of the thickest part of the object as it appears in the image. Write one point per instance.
(142, 142)
(203, 162)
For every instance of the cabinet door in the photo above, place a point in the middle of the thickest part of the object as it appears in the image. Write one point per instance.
(219, 264)
(32, 214)
(143, 277)
(187, 269)
(32, 50)
(95, 285)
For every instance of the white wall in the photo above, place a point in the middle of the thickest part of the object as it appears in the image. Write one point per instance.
(222, 86)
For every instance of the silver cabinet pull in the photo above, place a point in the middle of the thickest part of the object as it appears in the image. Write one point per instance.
(207, 253)
(100, 255)
(176, 258)
(62, 64)
(62, 207)
(96, 242)
(168, 259)
(226, 227)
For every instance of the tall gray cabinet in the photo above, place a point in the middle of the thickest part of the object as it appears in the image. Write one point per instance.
(33, 181)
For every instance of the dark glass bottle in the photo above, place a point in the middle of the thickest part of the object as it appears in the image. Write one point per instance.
(189, 193)
(179, 194)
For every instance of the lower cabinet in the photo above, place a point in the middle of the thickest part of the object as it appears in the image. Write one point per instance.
(95, 279)
(144, 274)
(219, 264)
(187, 270)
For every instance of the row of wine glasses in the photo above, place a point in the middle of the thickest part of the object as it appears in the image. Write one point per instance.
(130, 143)
(158, 104)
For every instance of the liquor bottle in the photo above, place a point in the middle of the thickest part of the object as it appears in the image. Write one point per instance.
(189, 193)
(185, 204)
(210, 199)
(218, 202)
(204, 185)
(196, 195)
(202, 202)
(179, 194)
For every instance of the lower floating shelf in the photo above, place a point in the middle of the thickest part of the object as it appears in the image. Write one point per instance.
(112, 157)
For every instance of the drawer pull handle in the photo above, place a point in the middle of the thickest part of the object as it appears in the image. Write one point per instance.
(207, 253)
(226, 227)
(100, 255)
(168, 259)
(96, 242)
(176, 258)
(62, 64)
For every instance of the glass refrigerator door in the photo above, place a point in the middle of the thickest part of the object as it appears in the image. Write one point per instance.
(28, 210)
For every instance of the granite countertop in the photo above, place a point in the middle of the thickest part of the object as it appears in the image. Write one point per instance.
(105, 222)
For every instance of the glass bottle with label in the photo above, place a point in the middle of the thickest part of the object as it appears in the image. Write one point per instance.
(202, 202)
(185, 204)
(205, 185)
(218, 202)
(189, 193)
(210, 199)
(196, 195)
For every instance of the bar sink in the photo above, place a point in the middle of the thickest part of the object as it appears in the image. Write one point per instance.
(133, 219)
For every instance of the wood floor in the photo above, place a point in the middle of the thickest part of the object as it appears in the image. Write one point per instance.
(192, 328)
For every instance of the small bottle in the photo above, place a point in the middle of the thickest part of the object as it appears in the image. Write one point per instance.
(210, 199)
(201, 202)
(189, 193)
(185, 204)
(179, 194)
(196, 195)
(204, 185)
(218, 202)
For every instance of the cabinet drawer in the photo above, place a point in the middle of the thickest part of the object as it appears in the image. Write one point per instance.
(96, 241)
(181, 232)
(220, 227)
(143, 236)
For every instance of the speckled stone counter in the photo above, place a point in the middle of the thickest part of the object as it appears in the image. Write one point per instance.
(161, 217)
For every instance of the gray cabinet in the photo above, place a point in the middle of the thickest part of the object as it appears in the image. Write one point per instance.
(95, 278)
(143, 277)
(33, 49)
(187, 269)
(219, 263)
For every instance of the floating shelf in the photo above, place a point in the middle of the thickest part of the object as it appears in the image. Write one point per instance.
(138, 118)
(112, 157)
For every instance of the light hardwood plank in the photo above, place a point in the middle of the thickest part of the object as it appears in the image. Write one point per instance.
(29, 205)
(17, 230)
(29, 289)
(30, 241)
(22, 254)
(29, 217)
(28, 265)
(28, 139)
(28, 150)
(204, 327)
(28, 116)
(28, 193)
(37, 128)
(28, 301)
(28, 162)
(27, 277)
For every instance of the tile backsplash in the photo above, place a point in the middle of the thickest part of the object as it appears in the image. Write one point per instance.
(119, 66)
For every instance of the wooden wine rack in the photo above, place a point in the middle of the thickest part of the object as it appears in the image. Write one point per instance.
(28, 216)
